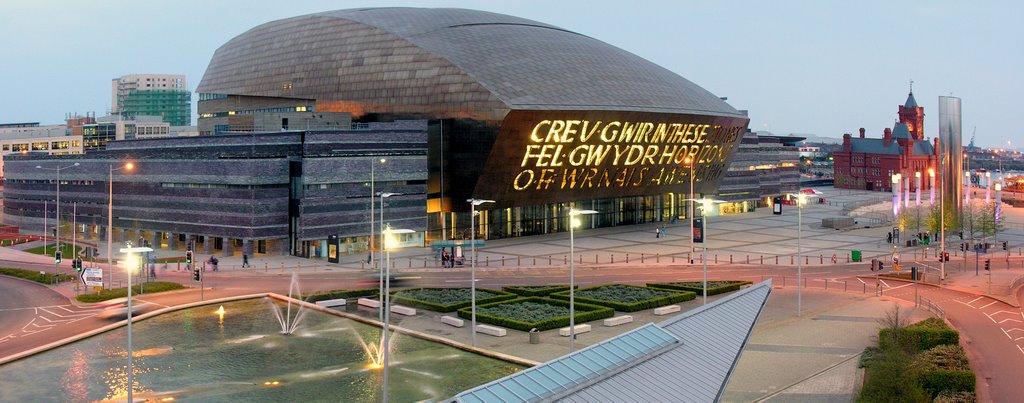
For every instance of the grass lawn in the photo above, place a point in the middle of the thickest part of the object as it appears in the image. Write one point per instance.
(65, 248)
(34, 275)
(149, 288)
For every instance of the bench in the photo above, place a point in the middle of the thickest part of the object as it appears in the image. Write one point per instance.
(332, 302)
(618, 320)
(491, 330)
(453, 321)
(403, 310)
(564, 332)
(372, 303)
(665, 310)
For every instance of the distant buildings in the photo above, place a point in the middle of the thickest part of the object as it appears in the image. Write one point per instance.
(23, 138)
(164, 95)
(110, 128)
(869, 163)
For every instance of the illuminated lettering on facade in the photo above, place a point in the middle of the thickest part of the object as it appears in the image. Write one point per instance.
(588, 154)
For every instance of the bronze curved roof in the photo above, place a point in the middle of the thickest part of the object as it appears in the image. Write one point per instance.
(445, 63)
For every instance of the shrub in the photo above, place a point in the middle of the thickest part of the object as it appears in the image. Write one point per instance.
(149, 288)
(920, 336)
(935, 382)
(34, 275)
(890, 378)
(956, 397)
(626, 298)
(946, 357)
(535, 313)
(536, 290)
(714, 287)
(339, 294)
(448, 299)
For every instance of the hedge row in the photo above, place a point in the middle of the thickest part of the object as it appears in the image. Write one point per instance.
(339, 294)
(149, 288)
(584, 313)
(535, 291)
(699, 287)
(416, 303)
(935, 382)
(677, 296)
(922, 336)
(33, 275)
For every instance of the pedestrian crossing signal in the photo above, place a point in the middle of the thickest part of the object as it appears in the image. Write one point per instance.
(56, 257)
(196, 274)
(188, 257)
(988, 264)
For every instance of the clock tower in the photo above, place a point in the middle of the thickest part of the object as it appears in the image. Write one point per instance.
(912, 115)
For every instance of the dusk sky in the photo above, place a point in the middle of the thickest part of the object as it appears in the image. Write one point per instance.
(818, 67)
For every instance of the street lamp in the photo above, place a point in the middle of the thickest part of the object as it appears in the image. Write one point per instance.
(988, 191)
(689, 162)
(801, 200)
(58, 169)
(128, 166)
(573, 212)
(931, 185)
(372, 194)
(895, 196)
(917, 191)
(380, 270)
(706, 206)
(386, 301)
(472, 285)
(132, 262)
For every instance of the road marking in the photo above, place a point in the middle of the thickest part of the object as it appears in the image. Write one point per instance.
(1007, 334)
(7, 337)
(1021, 349)
(988, 305)
(898, 287)
(974, 300)
(861, 281)
(989, 317)
(883, 282)
(1004, 320)
(961, 302)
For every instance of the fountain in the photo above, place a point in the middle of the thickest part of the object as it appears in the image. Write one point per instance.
(285, 319)
(374, 353)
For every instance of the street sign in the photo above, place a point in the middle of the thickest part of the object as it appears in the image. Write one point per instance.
(93, 276)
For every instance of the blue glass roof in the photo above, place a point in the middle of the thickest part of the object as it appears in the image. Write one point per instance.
(574, 370)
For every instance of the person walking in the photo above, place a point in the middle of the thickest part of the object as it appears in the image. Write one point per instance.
(657, 232)
(888, 237)
(245, 260)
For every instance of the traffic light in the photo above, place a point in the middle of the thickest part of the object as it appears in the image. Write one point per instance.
(196, 274)
(988, 264)
(1004, 245)
(77, 264)
(188, 257)
(945, 255)
(56, 257)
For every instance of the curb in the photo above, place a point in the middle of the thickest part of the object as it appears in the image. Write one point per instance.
(1006, 299)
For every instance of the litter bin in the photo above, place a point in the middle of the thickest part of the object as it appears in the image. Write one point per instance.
(534, 336)
(855, 255)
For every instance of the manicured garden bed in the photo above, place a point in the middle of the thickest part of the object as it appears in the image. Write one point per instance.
(714, 287)
(339, 294)
(149, 288)
(626, 298)
(33, 275)
(535, 313)
(447, 299)
(535, 290)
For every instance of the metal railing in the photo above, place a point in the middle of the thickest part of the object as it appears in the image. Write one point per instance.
(931, 306)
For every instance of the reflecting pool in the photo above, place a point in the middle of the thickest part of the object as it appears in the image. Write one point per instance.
(238, 354)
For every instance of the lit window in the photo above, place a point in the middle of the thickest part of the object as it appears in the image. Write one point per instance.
(231, 113)
(300, 108)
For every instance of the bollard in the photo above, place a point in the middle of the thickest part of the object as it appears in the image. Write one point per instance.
(641, 258)
(298, 267)
(776, 260)
(807, 260)
(822, 258)
(409, 260)
(762, 259)
(549, 261)
(487, 261)
(865, 291)
(534, 260)
(730, 258)
(748, 259)
(266, 267)
(565, 259)
(847, 258)
(783, 281)
(596, 260)
(581, 258)
(424, 263)
(673, 258)
(791, 259)
(657, 258)
(282, 267)
(502, 261)
(613, 258)
(627, 258)
(519, 261)
(846, 286)
(716, 258)
(826, 284)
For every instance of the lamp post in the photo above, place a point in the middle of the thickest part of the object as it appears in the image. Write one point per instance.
(895, 196)
(917, 203)
(386, 301)
(573, 212)
(689, 162)
(132, 261)
(472, 243)
(128, 166)
(988, 190)
(942, 221)
(931, 186)
(58, 169)
(706, 206)
(372, 195)
(380, 270)
(801, 199)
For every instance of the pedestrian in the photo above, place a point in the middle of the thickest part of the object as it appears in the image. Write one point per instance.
(657, 232)
(245, 260)
(445, 259)
(888, 237)
(213, 262)
(664, 231)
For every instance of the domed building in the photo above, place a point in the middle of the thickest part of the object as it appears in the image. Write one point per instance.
(304, 121)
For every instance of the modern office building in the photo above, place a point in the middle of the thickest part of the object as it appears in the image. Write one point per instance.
(459, 104)
(23, 138)
(110, 128)
(163, 95)
(765, 167)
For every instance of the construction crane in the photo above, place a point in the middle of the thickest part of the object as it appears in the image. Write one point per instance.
(970, 146)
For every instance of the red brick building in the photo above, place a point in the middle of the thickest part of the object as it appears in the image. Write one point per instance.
(869, 163)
